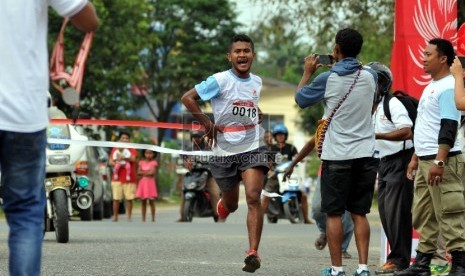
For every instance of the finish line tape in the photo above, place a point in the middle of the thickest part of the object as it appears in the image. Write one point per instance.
(149, 124)
(107, 144)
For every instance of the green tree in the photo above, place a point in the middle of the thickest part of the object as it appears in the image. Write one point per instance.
(114, 57)
(194, 38)
(280, 50)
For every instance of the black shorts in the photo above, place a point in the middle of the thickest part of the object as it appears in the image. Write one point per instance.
(227, 169)
(348, 185)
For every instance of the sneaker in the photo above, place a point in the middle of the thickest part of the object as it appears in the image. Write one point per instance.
(252, 261)
(327, 272)
(387, 268)
(346, 255)
(363, 273)
(223, 213)
(439, 269)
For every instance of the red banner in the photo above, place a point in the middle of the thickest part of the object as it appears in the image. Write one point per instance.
(416, 23)
(461, 41)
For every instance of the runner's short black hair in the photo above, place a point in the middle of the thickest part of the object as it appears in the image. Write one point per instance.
(444, 48)
(243, 38)
(350, 42)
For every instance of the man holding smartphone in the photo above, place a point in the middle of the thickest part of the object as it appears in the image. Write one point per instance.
(348, 168)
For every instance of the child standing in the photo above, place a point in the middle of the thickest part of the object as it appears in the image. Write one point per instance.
(147, 189)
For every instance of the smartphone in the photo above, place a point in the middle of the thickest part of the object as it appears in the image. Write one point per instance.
(462, 60)
(325, 59)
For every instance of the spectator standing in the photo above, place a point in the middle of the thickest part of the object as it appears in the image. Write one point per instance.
(394, 147)
(147, 187)
(24, 82)
(121, 187)
(438, 203)
(348, 167)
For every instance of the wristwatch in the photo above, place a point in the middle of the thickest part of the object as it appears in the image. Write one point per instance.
(440, 163)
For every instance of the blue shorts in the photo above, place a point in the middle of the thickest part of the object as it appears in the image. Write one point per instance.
(227, 169)
(348, 185)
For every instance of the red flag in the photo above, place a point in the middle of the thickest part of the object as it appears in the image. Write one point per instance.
(416, 23)
(461, 41)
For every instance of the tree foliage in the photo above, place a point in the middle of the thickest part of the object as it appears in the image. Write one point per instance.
(194, 39)
(114, 56)
(165, 45)
(317, 25)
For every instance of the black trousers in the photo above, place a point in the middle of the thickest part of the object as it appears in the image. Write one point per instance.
(395, 205)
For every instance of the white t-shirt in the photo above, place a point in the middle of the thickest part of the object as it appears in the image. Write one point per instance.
(235, 104)
(400, 119)
(436, 103)
(24, 69)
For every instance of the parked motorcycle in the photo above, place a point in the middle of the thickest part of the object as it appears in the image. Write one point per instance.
(65, 190)
(196, 196)
(287, 203)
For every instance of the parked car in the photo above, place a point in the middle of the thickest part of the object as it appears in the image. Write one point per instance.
(94, 164)
(105, 175)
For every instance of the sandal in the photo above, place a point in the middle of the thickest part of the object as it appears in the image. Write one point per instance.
(320, 243)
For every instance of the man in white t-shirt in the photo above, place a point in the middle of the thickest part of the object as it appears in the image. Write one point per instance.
(394, 148)
(237, 137)
(24, 82)
(438, 202)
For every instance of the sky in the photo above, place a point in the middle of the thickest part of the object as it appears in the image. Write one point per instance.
(250, 12)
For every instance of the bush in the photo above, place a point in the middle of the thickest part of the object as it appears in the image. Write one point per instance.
(166, 176)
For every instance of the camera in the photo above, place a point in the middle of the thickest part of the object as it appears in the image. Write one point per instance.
(325, 59)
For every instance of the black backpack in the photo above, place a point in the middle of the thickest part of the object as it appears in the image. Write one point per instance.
(410, 103)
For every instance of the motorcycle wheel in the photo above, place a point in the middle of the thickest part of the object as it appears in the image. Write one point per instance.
(60, 216)
(293, 211)
(188, 210)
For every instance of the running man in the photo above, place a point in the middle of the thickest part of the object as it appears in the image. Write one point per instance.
(234, 96)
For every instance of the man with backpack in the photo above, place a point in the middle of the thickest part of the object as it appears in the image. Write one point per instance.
(394, 148)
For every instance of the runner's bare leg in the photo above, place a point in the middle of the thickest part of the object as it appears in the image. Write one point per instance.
(253, 182)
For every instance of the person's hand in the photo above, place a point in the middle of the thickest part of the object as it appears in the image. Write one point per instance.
(311, 63)
(288, 173)
(456, 69)
(412, 168)
(211, 131)
(435, 175)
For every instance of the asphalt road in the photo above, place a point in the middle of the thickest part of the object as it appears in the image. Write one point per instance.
(198, 248)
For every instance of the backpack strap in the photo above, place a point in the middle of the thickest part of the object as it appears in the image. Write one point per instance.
(386, 109)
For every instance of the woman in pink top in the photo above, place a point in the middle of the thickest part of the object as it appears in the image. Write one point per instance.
(147, 188)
